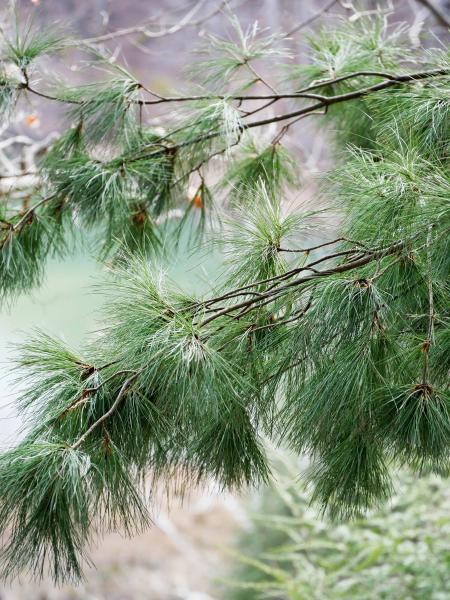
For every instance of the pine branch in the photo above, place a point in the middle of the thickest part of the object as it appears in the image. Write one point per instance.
(304, 93)
(26, 217)
(337, 347)
(329, 101)
(274, 293)
(106, 415)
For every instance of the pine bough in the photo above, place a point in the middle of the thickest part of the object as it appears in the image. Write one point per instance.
(338, 348)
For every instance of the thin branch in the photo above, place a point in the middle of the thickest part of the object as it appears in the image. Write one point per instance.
(327, 82)
(239, 98)
(243, 291)
(30, 211)
(108, 413)
(312, 18)
(309, 266)
(184, 22)
(311, 109)
(323, 103)
(274, 293)
(260, 108)
(283, 131)
(440, 15)
(270, 98)
(311, 248)
(283, 370)
(330, 100)
(193, 98)
(120, 397)
(260, 78)
(26, 86)
(296, 317)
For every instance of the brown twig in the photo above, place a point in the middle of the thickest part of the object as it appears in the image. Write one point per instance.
(168, 30)
(437, 12)
(30, 211)
(273, 294)
(312, 18)
(330, 100)
(108, 413)
(323, 101)
(120, 397)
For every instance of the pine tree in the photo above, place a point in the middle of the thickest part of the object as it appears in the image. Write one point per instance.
(337, 347)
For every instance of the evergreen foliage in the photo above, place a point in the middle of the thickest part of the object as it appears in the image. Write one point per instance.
(399, 551)
(334, 347)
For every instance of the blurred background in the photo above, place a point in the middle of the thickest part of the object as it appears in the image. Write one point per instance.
(215, 545)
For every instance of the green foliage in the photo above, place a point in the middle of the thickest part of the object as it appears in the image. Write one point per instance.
(43, 487)
(228, 57)
(8, 95)
(26, 240)
(419, 424)
(363, 46)
(205, 129)
(395, 553)
(126, 197)
(254, 236)
(422, 118)
(29, 42)
(391, 192)
(273, 166)
(112, 171)
(120, 120)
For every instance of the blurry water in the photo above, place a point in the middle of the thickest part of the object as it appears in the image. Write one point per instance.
(67, 306)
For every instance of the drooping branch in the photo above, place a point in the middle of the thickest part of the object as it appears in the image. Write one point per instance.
(244, 307)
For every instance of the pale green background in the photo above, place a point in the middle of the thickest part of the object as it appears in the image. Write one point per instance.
(68, 306)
